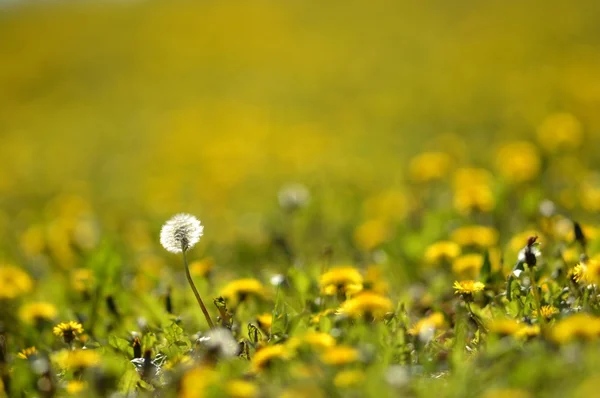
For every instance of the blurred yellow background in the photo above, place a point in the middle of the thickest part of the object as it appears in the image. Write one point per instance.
(149, 107)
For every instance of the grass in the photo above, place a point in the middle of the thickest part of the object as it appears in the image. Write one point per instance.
(370, 179)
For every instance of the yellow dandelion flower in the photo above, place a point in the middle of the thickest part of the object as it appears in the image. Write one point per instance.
(366, 304)
(429, 166)
(371, 234)
(27, 352)
(442, 251)
(587, 272)
(265, 321)
(202, 267)
(76, 359)
(36, 312)
(476, 235)
(316, 340)
(82, 279)
(349, 378)
(527, 331)
(578, 326)
(241, 389)
(432, 322)
(468, 287)
(68, 330)
(518, 161)
(340, 355)
(504, 326)
(471, 176)
(341, 280)
(75, 387)
(14, 282)
(375, 280)
(547, 311)
(560, 131)
(240, 289)
(266, 355)
(195, 382)
(467, 266)
(474, 197)
(591, 232)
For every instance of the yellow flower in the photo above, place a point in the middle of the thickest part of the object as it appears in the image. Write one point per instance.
(548, 311)
(76, 359)
(341, 280)
(434, 321)
(518, 161)
(475, 235)
(68, 330)
(27, 352)
(468, 287)
(238, 290)
(371, 234)
(316, 340)
(587, 272)
(340, 355)
(74, 387)
(527, 331)
(366, 304)
(202, 267)
(14, 282)
(474, 197)
(429, 166)
(264, 356)
(349, 378)
(560, 131)
(265, 321)
(82, 279)
(375, 280)
(467, 266)
(519, 240)
(590, 193)
(241, 389)
(442, 251)
(591, 233)
(38, 311)
(504, 326)
(507, 393)
(578, 326)
(471, 176)
(195, 381)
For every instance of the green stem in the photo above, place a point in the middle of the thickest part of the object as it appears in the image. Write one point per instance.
(200, 302)
(536, 296)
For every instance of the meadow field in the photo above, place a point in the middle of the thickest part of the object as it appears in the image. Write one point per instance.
(300, 199)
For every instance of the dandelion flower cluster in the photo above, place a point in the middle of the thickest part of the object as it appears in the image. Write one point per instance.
(181, 233)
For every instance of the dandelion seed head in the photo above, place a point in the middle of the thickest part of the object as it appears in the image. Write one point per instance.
(181, 233)
(221, 342)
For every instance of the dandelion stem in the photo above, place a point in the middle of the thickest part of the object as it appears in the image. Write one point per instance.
(193, 286)
(536, 296)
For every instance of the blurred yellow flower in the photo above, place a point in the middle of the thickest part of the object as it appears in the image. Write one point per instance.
(14, 282)
(474, 198)
(340, 355)
(560, 131)
(349, 378)
(468, 265)
(27, 352)
(429, 166)
(371, 234)
(434, 321)
(202, 267)
(238, 388)
(587, 272)
(316, 340)
(519, 241)
(468, 287)
(578, 326)
(442, 251)
(76, 359)
(38, 311)
(518, 161)
(195, 382)
(315, 319)
(240, 289)
(504, 326)
(366, 304)
(375, 280)
(475, 235)
(265, 321)
(471, 176)
(527, 331)
(264, 356)
(341, 280)
(82, 279)
(75, 387)
(547, 311)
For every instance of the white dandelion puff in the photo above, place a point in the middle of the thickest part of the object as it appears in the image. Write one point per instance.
(181, 233)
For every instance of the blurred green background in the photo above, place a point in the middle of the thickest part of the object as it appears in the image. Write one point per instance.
(142, 109)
